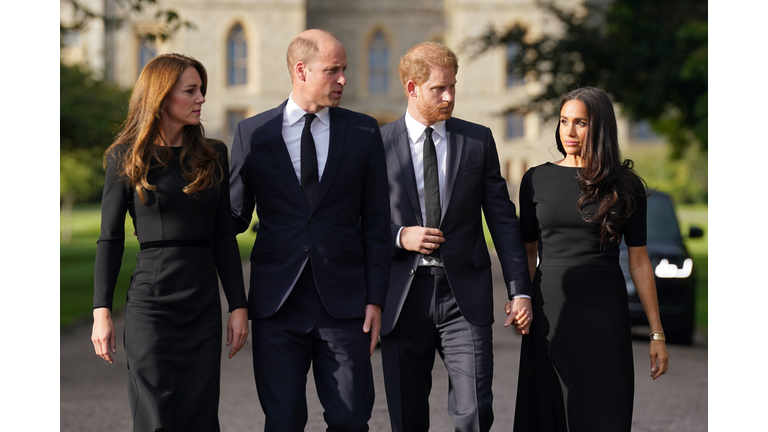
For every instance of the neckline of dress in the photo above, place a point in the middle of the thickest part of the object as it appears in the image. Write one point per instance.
(562, 166)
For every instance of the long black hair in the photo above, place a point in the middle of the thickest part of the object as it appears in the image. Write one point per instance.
(604, 179)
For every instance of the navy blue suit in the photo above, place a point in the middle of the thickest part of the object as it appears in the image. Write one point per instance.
(435, 305)
(331, 257)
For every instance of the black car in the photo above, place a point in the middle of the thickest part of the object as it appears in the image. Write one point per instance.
(673, 269)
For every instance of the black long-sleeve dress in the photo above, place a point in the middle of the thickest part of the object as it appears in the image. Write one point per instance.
(576, 366)
(173, 333)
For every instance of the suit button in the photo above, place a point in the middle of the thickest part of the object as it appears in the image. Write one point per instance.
(306, 248)
(411, 272)
(311, 220)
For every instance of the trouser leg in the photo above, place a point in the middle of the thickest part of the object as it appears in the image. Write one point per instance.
(408, 354)
(341, 365)
(467, 351)
(282, 354)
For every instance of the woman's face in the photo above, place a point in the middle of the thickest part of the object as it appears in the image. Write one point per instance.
(573, 126)
(183, 104)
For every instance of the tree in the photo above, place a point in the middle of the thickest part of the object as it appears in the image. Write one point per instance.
(91, 110)
(650, 56)
(120, 12)
(90, 114)
(78, 179)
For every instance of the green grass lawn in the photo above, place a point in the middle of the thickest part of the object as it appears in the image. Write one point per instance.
(77, 259)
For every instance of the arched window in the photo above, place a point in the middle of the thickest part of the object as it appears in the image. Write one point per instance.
(147, 51)
(378, 64)
(515, 125)
(512, 49)
(237, 57)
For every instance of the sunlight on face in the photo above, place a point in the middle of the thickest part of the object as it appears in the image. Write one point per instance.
(574, 123)
(184, 103)
(436, 97)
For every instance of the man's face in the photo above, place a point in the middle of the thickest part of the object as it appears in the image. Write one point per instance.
(324, 77)
(435, 98)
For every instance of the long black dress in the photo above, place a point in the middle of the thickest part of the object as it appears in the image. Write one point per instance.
(576, 367)
(173, 330)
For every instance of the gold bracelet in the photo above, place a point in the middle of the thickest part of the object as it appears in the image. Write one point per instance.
(658, 336)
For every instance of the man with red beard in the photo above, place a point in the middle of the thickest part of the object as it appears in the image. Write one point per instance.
(443, 176)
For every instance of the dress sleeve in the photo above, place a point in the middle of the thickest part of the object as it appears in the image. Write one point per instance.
(115, 202)
(225, 250)
(529, 224)
(636, 228)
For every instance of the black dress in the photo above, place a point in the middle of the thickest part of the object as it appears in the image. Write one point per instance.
(173, 335)
(576, 367)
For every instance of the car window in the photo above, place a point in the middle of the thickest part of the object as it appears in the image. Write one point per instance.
(662, 222)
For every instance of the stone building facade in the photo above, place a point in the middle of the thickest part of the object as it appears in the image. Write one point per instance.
(242, 44)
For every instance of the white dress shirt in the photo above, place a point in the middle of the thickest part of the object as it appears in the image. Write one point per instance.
(416, 137)
(293, 125)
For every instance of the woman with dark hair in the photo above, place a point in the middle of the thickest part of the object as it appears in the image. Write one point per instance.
(174, 182)
(576, 365)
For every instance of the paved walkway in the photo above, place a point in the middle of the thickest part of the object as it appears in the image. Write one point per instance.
(94, 395)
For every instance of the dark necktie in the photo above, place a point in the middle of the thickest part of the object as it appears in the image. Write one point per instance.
(309, 176)
(431, 186)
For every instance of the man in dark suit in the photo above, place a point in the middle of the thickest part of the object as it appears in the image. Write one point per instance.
(443, 176)
(320, 264)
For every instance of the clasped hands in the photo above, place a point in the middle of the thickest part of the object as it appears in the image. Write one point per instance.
(520, 313)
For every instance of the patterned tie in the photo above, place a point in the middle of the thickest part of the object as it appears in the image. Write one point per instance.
(431, 186)
(309, 176)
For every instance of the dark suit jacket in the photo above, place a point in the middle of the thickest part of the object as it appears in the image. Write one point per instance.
(473, 182)
(345, 231)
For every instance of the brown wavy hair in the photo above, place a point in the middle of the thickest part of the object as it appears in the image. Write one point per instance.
(146, 147)
(604, 179)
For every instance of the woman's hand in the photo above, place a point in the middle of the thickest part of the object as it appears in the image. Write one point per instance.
(519, 313)
(103, 334)
(237, 330)
(659, 358)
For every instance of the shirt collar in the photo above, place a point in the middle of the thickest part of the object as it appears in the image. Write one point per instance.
(416, 129)
(294, 113)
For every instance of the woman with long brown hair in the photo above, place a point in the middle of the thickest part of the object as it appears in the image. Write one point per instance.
(576, 365)
(174, 182)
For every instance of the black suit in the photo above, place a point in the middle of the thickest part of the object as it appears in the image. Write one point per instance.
(454, 309)
(329, 258)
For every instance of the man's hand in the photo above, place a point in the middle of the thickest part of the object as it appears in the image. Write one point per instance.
(372, 324)
(520, 313)
(420, 239)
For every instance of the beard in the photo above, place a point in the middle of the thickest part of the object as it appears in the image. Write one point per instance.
(433, 113)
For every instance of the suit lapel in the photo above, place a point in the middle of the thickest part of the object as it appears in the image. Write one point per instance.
(337, 140)
(402, 149)
(455, 141)
(283, 159)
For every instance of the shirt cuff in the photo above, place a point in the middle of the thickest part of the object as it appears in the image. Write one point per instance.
(520, 296)
(397, 238)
